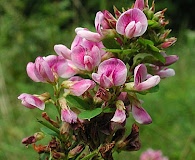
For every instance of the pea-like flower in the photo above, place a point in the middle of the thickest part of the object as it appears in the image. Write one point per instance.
(119, 115)
(40, 71)
(86, 55)
(77, 86)
(132, 23)
(111, 72)
(67, 115)
(141, 79)
(31, 101)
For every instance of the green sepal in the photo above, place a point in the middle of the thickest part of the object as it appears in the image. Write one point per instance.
(88, 114)
(77, 102)
(153, 24)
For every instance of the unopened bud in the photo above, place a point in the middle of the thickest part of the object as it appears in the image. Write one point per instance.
(75, 151)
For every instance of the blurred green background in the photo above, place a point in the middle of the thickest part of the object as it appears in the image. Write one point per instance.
(31, 28)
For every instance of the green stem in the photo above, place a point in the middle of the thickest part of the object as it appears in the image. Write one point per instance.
(90, 155)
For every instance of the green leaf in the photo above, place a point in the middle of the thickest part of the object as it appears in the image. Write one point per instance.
(159, 56)
(49, 131)
(90, 113)
(153, 24)
(74, 101)
(109, 110)
(114, 50)
(143, 57)
(145, 42)
(153, 48)
(110, 42)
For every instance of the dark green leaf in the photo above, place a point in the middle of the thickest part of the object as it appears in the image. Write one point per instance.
(74, 101)
(159, 56)
(145, 42)
(90, 113)
(110, 42)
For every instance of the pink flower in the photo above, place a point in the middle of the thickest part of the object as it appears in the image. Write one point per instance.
(31, 101)
(132, 23)
(86, 55)
(119, 115)
(151, 154)
(67, 115)
(141, 81)
(111, 72)
(162, 71)
(103, 21)
(140, 115)
(166, 72)
(62, 50)
(139, 4)
(61, 66)
(78, 87)
(40, 71)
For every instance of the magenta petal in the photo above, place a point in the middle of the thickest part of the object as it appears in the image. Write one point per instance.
(31, 101)
(140, 73)
(119, 116)
(140, 115)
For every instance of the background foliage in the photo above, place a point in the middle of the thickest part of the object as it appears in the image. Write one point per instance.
(31, 28)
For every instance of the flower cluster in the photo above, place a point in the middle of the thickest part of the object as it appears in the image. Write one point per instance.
(97, 81)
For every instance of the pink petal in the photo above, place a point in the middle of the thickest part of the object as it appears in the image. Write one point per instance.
(31, 101)
(62, 50)
(140, 74)
(68, 116)
(43, 70)
(66, 69)
(149, 83)
(77, 57)
(167, 72)
(119, 116)
(140, 115)
(132, 15)
(91, 36)
(139, 4)
(78, 88)
(30, 69)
